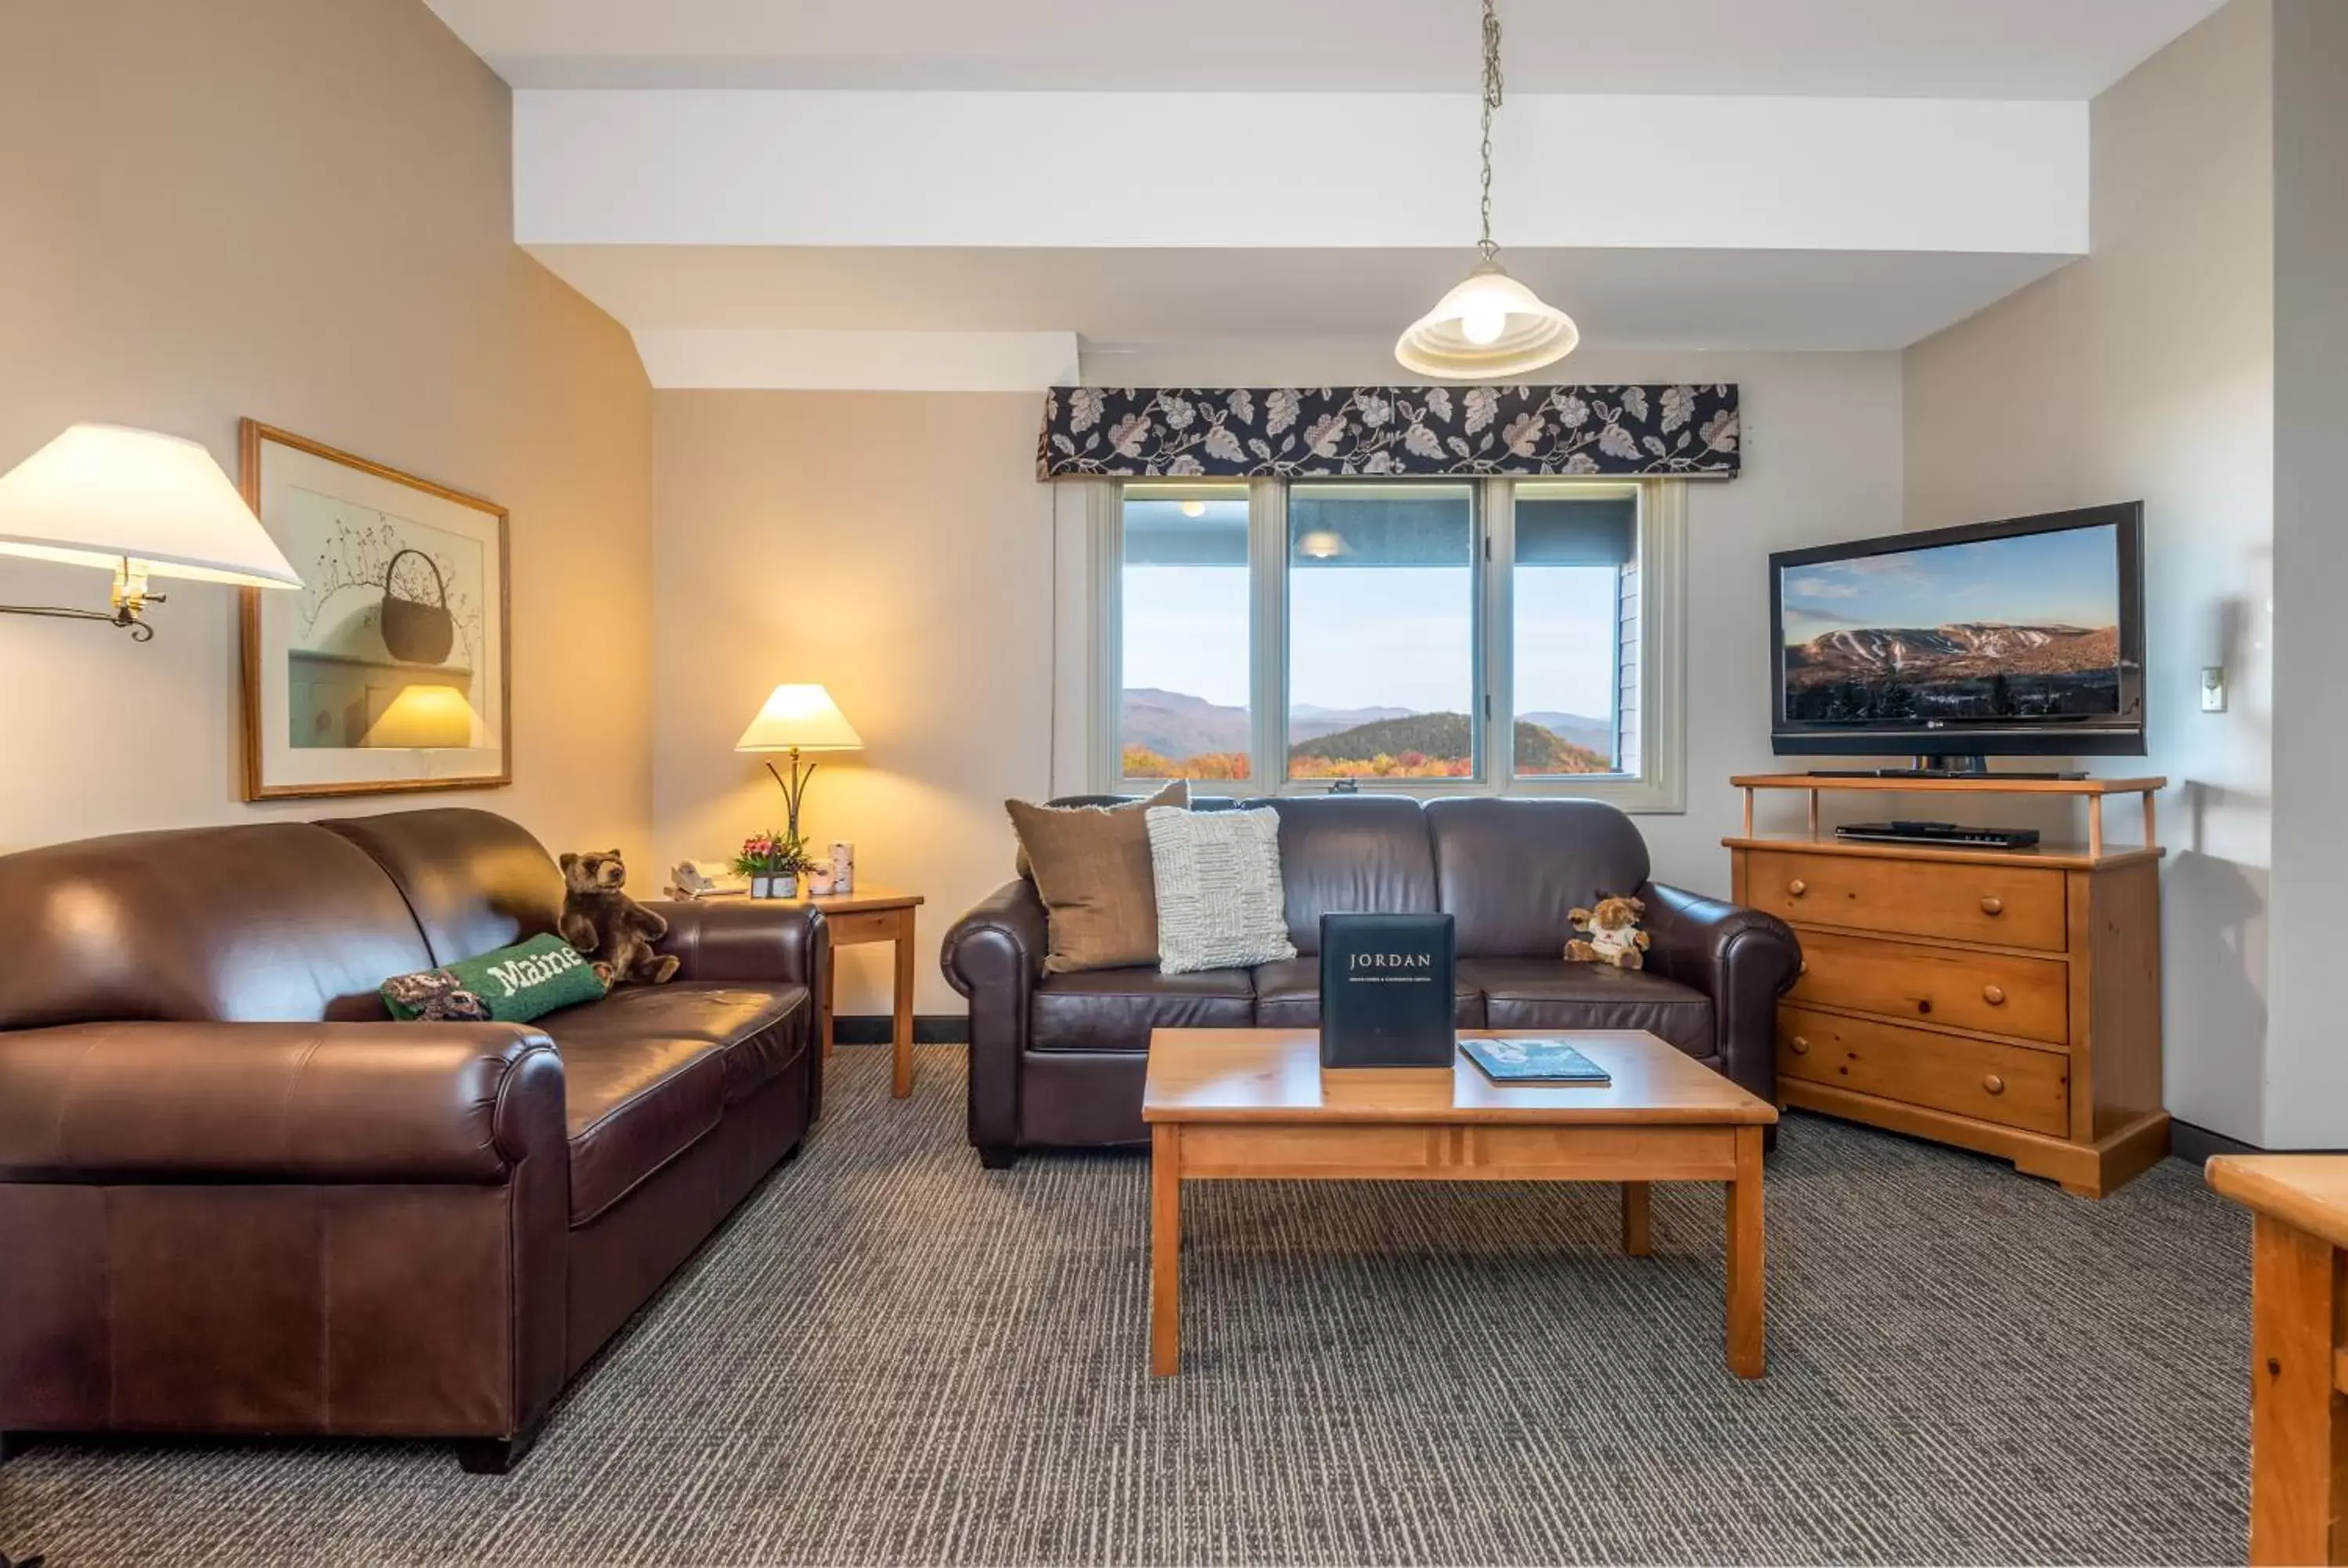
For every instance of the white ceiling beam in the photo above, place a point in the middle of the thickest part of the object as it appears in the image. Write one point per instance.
(1285, 170)
(736, 359)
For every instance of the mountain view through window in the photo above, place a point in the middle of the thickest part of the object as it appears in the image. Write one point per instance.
(1382, 629)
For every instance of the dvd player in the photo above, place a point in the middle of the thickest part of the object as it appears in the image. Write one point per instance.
(1949, 834)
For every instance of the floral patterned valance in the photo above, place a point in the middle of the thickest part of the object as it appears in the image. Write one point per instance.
(1310, 432)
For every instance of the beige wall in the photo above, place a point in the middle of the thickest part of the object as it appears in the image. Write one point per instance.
(300, 212)
(2307, 1071)
(2147, 371)
(896, 548)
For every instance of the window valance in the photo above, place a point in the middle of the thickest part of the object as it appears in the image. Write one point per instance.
(1197, 432)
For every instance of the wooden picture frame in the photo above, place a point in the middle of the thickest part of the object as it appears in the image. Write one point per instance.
(354, 686)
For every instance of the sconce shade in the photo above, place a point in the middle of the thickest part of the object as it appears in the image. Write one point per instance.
(101, 494)
(801, 719)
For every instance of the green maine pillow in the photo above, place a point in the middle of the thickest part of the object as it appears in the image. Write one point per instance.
(512, 985)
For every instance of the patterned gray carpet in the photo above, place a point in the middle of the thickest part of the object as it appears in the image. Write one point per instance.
(892, 1357)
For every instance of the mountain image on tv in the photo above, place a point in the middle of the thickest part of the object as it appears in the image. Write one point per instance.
(2020, 627)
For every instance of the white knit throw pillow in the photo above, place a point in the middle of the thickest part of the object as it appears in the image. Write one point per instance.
(1219, 901)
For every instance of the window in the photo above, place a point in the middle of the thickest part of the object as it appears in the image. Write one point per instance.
(1574, 653)
(1381, 631)
(1183, 707)
(1296, 636)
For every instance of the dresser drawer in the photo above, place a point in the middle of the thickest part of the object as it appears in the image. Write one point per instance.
(1995, 992)
(2009, 1084)
(2012, 905)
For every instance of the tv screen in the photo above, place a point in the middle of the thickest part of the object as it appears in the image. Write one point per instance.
(2021, 637)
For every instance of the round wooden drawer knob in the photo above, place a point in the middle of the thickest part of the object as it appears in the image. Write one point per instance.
(1993, 1083)
(1797, 887)
(1992, 905)
(1799, 1046)
(1993, 995)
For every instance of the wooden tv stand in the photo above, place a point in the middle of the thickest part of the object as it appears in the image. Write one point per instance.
(2003, 1000)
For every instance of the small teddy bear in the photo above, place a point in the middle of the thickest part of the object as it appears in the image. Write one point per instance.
(1613, 934)
(614, 931)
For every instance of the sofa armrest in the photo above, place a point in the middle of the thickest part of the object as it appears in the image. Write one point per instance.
(1742, 959)
(1001, 941)
(992, 956)
(744, 939)
(303, 1102)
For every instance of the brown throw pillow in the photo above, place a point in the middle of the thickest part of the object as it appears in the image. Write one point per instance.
(1091, 868)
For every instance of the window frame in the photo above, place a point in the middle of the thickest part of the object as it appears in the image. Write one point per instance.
(1658, 786)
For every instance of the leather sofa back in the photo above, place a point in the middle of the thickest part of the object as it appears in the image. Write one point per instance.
(271, 922)
(1350, 855)
(474, 881)
(1509, 871)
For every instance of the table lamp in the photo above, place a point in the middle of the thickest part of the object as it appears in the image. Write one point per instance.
(140, 504)
(799, 718)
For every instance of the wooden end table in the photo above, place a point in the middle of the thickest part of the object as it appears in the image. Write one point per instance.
(873, 915)
(1227, 1105)
(2299, 1350)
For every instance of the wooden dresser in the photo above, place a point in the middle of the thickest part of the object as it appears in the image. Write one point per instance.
(2005, 1001)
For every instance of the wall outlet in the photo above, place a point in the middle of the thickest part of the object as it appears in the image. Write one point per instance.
(2213, 688)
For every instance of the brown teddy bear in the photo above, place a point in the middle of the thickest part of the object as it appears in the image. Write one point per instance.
(1612, 934)
(613, 930)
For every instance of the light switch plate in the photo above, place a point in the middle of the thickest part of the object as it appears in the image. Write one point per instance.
(2213, 688)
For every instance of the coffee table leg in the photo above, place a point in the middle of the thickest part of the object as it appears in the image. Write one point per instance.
(1165, 1250)
(1635, 1238)
(1748, 1345)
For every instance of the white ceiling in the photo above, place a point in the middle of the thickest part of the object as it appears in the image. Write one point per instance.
(2057, 50)
(1644, 299)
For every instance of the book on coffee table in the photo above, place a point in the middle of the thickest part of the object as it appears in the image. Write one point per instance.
(1534, 1061)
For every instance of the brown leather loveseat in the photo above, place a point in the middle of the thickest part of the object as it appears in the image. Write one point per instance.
(234, 1198)
(1059, 1059)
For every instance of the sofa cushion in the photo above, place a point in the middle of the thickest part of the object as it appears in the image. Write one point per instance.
(1090, 865)
(1509, 871)
(763, 1028)
(1288, 996)
(275, 922)
(1115, 1010)
(649, 1070)
(1217, 880)
(1350, 855)
(1176, 792)
(474, 880)
(1550, 993)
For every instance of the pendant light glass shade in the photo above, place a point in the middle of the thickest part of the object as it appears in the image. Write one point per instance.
(1490, 326)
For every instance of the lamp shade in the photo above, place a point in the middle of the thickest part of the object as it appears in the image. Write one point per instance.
(99, 494)
(1489, 326)
(423, 717)
(799, 719)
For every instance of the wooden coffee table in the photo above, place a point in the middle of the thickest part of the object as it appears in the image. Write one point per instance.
(1241, 1104)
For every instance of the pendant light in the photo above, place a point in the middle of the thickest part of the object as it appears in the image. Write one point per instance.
(1490, 325)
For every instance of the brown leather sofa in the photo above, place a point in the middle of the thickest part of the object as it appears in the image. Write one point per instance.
(1058, 1061)
(234, 1198)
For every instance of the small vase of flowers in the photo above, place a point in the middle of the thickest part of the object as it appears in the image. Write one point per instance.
(773, 862)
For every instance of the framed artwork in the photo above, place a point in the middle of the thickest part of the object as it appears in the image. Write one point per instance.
(388, 668)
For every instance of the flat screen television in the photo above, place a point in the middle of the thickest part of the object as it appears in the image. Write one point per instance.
(2024, 637)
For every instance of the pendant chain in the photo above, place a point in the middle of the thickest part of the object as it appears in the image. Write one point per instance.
(1491, 102)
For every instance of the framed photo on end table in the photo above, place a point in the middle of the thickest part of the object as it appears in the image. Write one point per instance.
(389, 670)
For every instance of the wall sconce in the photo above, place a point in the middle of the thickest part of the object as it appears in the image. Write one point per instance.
(140, 504)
